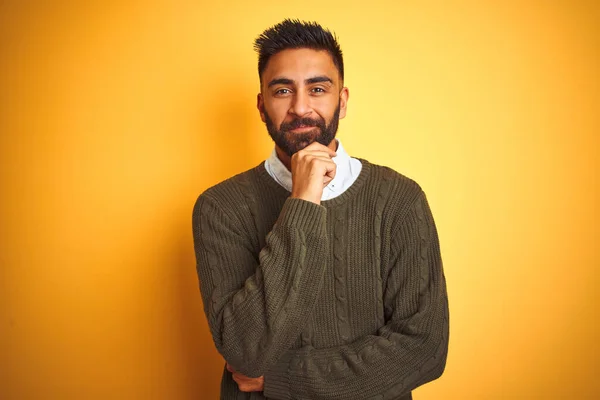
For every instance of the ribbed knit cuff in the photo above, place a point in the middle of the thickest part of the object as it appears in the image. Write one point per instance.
(277, 380)
(304, 215)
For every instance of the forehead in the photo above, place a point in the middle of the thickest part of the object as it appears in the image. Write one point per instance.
(300, 64)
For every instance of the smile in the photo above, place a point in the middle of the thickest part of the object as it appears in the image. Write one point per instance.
(303, 128)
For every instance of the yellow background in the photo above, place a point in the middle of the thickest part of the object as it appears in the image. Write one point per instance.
(114, 116)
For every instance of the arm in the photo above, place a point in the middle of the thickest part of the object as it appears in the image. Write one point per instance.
(408, 351)
(256, 308)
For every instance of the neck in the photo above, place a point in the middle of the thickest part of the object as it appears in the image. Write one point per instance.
(287, 160)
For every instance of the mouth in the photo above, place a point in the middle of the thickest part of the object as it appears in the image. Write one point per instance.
(302, 128)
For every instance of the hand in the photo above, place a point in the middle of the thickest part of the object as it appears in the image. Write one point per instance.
(246, 384)
(312, 170)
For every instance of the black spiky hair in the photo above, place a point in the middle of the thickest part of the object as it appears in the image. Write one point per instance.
(296, 34)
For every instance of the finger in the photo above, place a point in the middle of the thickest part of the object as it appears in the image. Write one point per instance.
(326, 159)
(250, 386)
(319, 153)
(246, 384)
(309, 155)
(239, 377)
(331, 167)
(329, 175)
(230, 368)
(246, 388)
(243, 378)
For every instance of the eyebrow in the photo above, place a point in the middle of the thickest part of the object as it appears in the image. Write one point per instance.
(309, 81)
(318, 79)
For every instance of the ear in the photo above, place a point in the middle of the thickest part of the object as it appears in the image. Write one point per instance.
(260, 104)
(344, 95)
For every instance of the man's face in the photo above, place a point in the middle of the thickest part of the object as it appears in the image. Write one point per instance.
(301, 99)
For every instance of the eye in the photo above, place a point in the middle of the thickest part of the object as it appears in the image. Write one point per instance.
(318, 90)
(282, 91)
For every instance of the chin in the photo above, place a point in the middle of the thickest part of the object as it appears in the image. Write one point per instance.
(303, 145)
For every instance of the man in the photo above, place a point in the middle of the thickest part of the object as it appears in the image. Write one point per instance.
(320, 273)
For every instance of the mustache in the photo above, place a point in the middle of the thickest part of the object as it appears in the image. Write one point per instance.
(301, 122)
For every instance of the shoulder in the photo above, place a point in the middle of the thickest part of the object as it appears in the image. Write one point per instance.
(230, 194)
(397, 194)
(395, 183)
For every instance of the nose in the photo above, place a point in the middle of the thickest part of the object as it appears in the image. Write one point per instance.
(300, 104)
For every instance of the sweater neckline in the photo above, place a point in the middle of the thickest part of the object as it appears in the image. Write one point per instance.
(348, 194)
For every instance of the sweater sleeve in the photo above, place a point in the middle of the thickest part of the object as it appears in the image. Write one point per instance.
(408, 351)
(256, 306)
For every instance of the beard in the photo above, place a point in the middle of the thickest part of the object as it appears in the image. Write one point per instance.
(292, 143)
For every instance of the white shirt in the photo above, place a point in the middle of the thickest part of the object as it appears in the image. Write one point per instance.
(347, 171)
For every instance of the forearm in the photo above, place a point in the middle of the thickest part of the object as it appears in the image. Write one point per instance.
(390, 364)
(256, 310)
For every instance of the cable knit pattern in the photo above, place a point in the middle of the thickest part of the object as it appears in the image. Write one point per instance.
(343, 300)
(339, 272)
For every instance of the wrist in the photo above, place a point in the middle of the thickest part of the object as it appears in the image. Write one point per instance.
(313, 198)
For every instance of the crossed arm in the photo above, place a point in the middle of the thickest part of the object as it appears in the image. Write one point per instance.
(256, 316)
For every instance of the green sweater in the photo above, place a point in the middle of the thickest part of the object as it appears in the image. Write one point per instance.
(343, 300)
